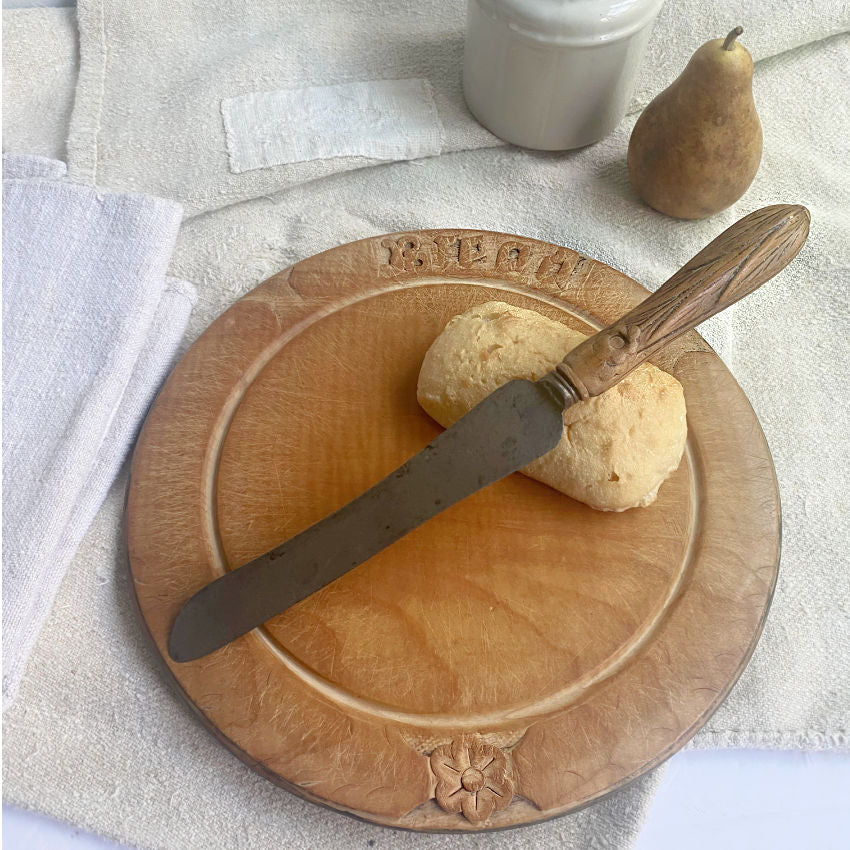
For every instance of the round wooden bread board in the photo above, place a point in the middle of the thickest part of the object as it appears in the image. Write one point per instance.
(518, 656)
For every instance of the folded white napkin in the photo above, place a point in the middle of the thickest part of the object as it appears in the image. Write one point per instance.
(91, 324)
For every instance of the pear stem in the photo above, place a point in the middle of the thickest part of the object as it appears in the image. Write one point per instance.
(727, 45)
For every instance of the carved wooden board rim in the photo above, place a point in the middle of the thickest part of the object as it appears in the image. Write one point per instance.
(521, 655)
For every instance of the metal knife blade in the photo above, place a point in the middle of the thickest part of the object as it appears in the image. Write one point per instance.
(513, 426)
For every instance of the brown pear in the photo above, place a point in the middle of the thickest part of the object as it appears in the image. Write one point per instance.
(696, 148)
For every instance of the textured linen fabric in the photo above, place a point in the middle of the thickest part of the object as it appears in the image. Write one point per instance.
(23, 167)
(37, 122)
(187, 58)
(90, 327)
(96, 736)
(383, 119)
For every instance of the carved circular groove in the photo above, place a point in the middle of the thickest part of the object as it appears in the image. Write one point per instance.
(524, 709)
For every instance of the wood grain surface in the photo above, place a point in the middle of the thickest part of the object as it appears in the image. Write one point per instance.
(518, 656)
(735, 264)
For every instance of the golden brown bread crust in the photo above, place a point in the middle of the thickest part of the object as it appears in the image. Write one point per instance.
(616, 450)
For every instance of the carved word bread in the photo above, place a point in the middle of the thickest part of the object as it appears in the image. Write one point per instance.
(617, 449)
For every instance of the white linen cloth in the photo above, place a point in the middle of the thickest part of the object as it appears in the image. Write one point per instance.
(159, 127)
(38, 123)
(90, 327)
(97, 738)
(383, 119)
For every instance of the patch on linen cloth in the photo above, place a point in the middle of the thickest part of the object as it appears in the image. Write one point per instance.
(379, 119)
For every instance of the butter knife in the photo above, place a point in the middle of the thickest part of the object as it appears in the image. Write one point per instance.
(513, 426)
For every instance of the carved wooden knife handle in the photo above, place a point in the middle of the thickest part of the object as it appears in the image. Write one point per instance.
(736, 263)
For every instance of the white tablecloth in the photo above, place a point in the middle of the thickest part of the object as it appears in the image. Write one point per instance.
(735, 799)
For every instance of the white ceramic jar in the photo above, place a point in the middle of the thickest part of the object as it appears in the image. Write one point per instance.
(553, 74)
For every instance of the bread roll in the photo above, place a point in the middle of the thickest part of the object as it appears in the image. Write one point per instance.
(616, 450)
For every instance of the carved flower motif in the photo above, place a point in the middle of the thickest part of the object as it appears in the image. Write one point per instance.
(472, 777)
